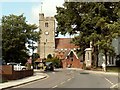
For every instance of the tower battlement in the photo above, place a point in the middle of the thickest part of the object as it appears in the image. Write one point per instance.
(49, 18)
(42, 17)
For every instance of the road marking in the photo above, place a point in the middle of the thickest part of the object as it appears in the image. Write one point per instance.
(109, 81)
(53, 72)
(69, 79)
(62, 82)
(55, 86)
(114, 85)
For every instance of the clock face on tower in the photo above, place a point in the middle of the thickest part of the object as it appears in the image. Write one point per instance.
(46, 33)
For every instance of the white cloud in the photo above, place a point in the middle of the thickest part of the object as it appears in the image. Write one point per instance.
(35, 12)
(48, 8)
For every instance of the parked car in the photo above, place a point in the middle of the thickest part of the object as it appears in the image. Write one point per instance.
(49, 66)
(17, 66)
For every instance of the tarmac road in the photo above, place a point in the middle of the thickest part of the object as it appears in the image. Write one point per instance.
(64, 78)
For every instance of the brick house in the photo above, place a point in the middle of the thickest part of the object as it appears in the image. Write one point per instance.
(65, 50)
(71, 60)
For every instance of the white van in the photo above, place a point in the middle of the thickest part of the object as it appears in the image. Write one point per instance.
(17, 66)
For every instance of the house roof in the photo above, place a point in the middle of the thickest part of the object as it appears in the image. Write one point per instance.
(64, 43)
(67, 53)
(73, 53)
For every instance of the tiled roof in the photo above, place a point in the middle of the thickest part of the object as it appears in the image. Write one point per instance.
(64, 43)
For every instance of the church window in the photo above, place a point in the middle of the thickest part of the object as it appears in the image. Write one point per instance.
(46, 24)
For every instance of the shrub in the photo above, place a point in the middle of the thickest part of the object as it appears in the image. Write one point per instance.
(56, 62)
(118, 63)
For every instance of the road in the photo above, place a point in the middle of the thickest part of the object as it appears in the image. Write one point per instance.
(65, 78)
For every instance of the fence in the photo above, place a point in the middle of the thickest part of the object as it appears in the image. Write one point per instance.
(8, 73)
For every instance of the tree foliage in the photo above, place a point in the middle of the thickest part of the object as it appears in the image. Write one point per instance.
(35, 56)
(98, 22)
(56, 62)
(16, 33)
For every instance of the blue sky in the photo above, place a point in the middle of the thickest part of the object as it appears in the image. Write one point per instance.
(18, 8)
(30, 8)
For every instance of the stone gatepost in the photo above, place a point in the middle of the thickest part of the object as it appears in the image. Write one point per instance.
(88, 57)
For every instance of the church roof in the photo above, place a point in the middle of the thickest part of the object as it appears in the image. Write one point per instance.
(64, 43)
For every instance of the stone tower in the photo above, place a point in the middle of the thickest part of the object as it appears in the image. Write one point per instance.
(47, 37)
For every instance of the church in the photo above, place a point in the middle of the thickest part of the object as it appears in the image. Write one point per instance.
(57, 47)
(64, 49)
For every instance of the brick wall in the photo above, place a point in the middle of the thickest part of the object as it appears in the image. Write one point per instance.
(6, 69)
(75, 63)
(8, 73)
(19, 74)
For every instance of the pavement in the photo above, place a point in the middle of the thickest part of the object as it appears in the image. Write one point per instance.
(39, 75)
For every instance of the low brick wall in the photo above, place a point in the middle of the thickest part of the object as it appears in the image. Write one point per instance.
(6, 69)
(8, 73)
(19, 74)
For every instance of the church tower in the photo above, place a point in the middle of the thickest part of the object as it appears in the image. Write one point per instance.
(47, 36)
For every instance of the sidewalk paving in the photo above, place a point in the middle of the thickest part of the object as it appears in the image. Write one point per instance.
(12, 83)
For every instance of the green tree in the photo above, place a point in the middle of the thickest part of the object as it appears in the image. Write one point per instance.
(96, 22)
(56, 62)
(35, 56)
(16, 33)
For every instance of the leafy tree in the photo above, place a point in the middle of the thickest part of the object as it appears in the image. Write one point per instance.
(96, 22)
(56, 62)
(16, 33)
(80, 41)
(35, 56)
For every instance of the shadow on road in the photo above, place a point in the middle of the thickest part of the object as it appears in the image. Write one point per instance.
(84, 73)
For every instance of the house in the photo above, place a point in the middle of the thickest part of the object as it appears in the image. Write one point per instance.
(65, 50)
(71, 60)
